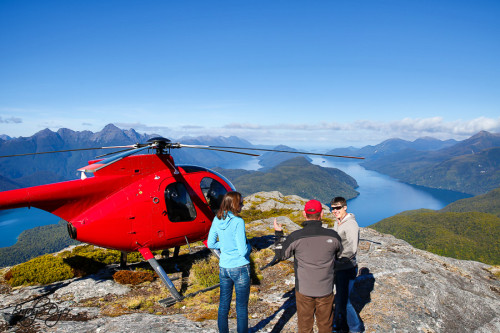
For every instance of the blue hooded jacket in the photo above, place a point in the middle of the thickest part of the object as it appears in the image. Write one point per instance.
(232, 241)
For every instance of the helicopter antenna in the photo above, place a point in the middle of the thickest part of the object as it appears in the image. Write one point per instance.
(176, 172)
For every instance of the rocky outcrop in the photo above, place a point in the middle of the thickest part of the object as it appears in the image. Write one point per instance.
(403, 289)
(399, 289)
(274, 200)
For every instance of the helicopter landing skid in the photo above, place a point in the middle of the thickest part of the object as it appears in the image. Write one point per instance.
(169, 301)
(166, 280)
(176, 297)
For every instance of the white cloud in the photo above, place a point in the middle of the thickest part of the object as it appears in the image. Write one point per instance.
(438, 127)
(299, 135)
(192, 127)
(139, 127)
(11, 120)
(360, 132)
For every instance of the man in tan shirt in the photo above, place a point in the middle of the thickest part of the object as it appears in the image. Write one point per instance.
(346, 319)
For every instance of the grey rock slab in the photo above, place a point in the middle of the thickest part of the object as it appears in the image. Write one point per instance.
(89, 288)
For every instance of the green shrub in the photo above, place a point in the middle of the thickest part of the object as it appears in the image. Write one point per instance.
(205, 273)
(101, 255)
(137, 257)
(81, 261)
(255, 272)
(41, 270)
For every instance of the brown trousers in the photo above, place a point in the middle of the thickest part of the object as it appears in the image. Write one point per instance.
(309, 307)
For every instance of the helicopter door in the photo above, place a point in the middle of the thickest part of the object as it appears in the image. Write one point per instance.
(181, 214)
(180, 207)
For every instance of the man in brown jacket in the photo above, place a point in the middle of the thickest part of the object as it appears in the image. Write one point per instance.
(315, 250)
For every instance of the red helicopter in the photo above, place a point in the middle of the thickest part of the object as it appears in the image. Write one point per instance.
(136, 203)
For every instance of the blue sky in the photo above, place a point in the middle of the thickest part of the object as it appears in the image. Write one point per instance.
(319, 73)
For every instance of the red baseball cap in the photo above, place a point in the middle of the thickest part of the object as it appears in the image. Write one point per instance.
(313, 207)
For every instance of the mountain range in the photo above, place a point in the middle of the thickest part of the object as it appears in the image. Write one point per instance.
(49, 168)
(35, 170)
(394, 145)
(470, 166)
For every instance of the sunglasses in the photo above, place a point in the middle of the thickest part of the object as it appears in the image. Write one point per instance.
(336, 208)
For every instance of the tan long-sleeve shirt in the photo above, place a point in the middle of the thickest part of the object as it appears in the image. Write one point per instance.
(348, 231)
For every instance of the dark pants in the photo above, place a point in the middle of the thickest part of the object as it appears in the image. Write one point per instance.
(346, 318)
(309, 307)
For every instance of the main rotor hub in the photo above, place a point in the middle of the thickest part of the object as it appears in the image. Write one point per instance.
(160, 144)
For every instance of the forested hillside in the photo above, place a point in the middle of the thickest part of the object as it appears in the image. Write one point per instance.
(37, 241)
(467, 229)
(486, 203)
(7, 184)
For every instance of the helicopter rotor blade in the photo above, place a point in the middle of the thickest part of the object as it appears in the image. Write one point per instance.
(290, 152)
(110, 160)
(160, 144)
(216, 149)
(67, 150)
(115, 152)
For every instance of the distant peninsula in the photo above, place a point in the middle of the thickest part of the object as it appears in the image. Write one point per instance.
(295, 176)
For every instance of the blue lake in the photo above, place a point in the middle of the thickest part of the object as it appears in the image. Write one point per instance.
(15, 221)
(380, 197)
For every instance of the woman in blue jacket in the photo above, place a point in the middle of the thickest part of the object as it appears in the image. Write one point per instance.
(227, 235)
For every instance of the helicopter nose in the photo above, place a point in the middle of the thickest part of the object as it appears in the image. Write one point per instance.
(71, 230)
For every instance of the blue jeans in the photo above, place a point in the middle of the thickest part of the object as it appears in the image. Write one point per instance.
(346, 317)
(240, 278)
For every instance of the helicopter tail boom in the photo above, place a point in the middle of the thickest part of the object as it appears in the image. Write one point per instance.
(66, 199)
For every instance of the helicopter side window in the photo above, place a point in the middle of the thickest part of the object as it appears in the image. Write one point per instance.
(213, 192)
(180, 207)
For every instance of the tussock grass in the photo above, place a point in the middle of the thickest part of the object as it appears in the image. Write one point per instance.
(114, 310)
(205, 273)
(134, 303)
(496, 271)
(294, 215)
(254, 295)
(253, 214)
